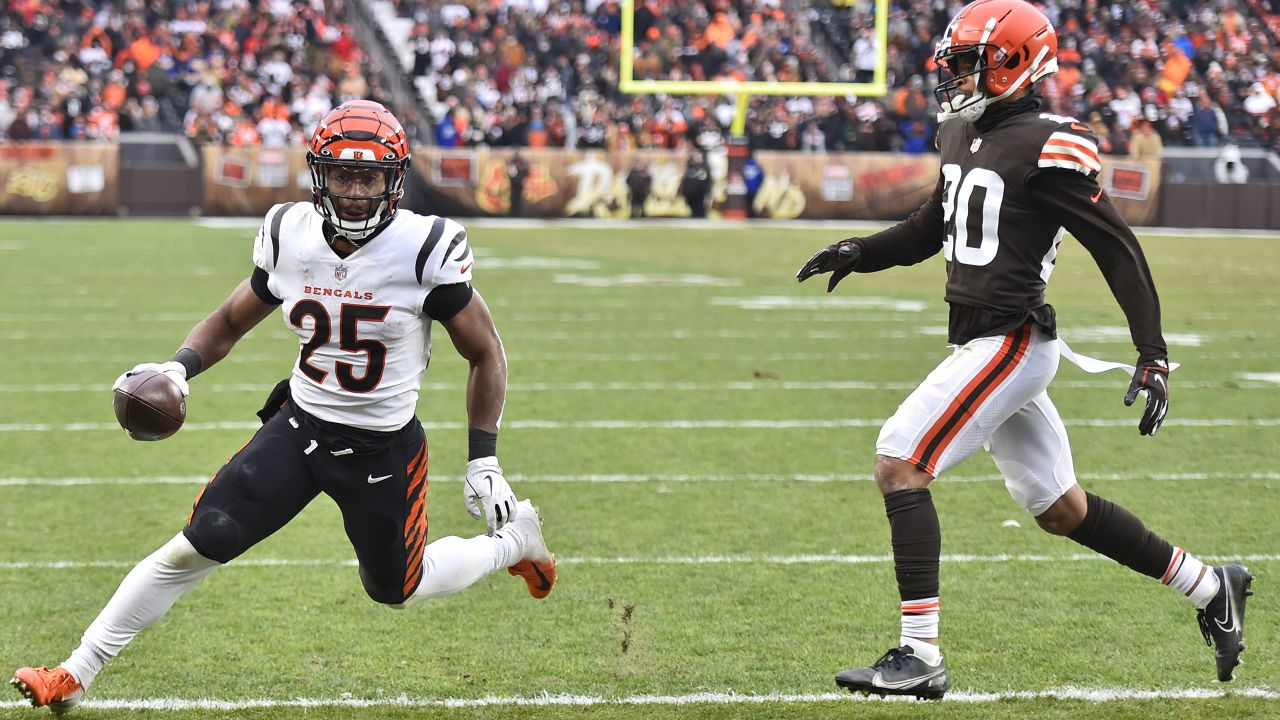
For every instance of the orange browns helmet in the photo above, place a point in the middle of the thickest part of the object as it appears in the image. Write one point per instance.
(1007, 44)
(355, 135)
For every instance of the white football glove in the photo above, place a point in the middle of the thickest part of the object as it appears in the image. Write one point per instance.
(486, 488)
(174, 370)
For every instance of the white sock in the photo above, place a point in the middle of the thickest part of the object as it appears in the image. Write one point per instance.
(1192, 578)
(144, 596)
(926, 651)
(920, 620)
(452, 563)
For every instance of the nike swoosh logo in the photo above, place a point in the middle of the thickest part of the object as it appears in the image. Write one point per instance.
(373, 479)
(1079, 127)
(1096, 195)
(544, 583)
(466, 268)
(879, 680)
(1228, 612)
(1159, 379)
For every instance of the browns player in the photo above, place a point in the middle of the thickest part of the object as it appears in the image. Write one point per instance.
(1012, 178)
(360, 282)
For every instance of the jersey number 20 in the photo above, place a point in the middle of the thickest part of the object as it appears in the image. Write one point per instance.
(348, 321)
(957, 197)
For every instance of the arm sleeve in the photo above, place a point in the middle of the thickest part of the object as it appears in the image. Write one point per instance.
(913, 240)
(1076, 202)
(445, 301)
(258, 281)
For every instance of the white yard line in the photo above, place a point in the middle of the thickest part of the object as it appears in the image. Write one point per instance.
(749, 424)
(814, 559)
(654, 477)
(1090, 695)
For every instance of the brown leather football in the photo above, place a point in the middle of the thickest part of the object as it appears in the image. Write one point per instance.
(149, 406)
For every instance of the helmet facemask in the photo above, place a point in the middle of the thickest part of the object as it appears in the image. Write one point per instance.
(356, 198)
(1011, 50)
(358, 157)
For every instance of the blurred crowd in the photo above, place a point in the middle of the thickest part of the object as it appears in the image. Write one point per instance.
(238, 72)
(544, 73)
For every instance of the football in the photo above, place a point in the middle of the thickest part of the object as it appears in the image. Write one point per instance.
(149, 406)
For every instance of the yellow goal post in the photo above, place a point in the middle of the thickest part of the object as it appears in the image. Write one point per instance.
(627, 82)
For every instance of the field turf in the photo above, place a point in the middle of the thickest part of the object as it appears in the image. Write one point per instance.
(698, 430)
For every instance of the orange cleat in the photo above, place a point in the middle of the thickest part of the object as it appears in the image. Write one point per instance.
(55, 687)
(539, 576)
(538, 566)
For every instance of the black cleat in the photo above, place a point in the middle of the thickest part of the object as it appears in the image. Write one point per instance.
(897, 672)
(1222, 620)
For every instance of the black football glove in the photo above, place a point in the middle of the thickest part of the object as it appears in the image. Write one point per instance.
(839, 260)
(1150, 377)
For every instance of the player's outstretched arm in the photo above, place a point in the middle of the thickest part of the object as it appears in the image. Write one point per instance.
(211, 339)
(839, 259)
(486, 491)
(913, 240)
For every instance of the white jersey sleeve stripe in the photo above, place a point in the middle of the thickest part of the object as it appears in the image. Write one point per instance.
(1054, 151)
(1085, 143)
(1070, 164)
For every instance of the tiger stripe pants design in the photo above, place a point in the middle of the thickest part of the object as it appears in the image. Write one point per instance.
(990, 392)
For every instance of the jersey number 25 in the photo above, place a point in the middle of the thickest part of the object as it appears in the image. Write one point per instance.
(322, 330)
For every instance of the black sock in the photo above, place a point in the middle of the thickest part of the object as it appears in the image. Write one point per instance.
(917, 542)
(1117, 533)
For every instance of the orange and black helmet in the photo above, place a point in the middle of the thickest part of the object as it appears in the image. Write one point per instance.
(1007, 44)
(358, 135)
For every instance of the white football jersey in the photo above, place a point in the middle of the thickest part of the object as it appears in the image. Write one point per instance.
(364, 339)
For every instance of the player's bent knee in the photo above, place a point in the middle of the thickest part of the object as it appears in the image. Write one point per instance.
(215, 535)
(893, 475)
(180, 554)
(1065, 514)
(384, 591)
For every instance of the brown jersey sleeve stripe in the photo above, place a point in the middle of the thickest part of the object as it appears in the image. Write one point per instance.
(966, 403)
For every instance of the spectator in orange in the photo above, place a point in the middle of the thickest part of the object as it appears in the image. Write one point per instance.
(142, 51)
(274, 108)
(114, 91)
(720, 31)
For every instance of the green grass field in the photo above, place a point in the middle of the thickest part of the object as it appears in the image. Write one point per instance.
(698, 431)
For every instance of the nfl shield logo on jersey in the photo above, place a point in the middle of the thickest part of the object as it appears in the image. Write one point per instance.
(340, 273)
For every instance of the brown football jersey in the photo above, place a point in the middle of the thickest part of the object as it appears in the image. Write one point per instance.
(999, 244)
(1008, 185)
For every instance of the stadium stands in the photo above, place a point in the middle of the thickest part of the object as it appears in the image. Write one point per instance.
(232, 71)
(541, 73)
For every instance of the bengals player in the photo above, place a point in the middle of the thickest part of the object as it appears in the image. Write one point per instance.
(360, 282)
(1012, 179)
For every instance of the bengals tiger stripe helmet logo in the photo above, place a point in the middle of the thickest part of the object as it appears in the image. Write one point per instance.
(353, 139)
(1007, 44)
